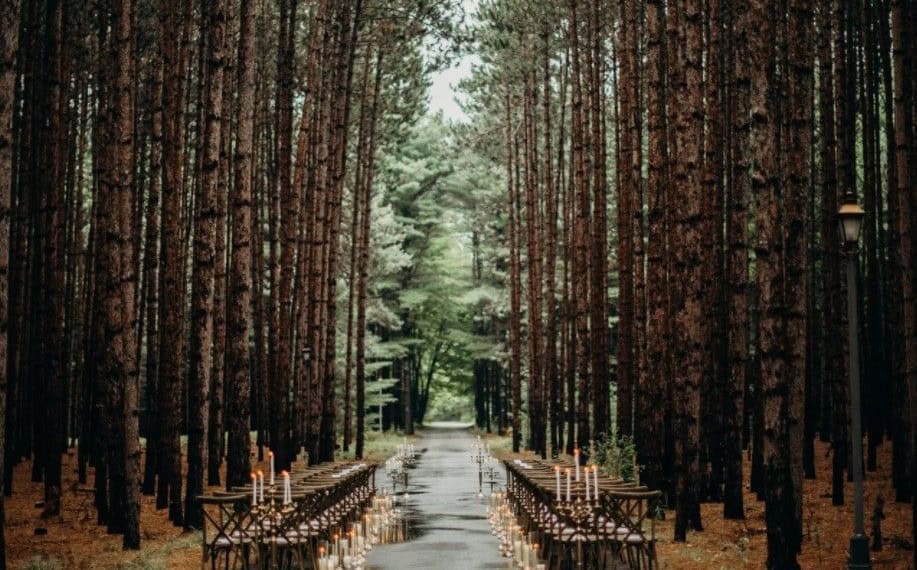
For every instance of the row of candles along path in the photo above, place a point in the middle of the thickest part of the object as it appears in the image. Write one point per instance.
(349, 552)
(515, 543)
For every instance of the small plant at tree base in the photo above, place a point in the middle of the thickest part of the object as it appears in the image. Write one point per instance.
(617, 456)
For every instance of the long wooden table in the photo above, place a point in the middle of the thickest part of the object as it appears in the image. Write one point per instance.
(271, 534)
(614, 528)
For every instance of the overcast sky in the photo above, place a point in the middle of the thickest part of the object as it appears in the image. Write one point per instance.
(443, 90)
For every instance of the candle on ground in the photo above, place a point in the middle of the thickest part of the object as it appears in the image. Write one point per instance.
(287, 492)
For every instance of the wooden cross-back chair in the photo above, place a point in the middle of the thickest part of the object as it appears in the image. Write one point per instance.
(227, 515)
(631, 509)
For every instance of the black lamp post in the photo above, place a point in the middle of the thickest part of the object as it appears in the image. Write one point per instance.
(850, 217)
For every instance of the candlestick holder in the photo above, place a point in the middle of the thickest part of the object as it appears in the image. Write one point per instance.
(577, 514)
(480, 455)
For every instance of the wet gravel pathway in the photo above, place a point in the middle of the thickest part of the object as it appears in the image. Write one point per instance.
(447, 522)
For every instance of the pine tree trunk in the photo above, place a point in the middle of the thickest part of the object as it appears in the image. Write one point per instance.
(625, 208)
(51, 331)
(515, 326)
(533, 295)
(737, 267)
(653, 394)
(151, 287)
(902, 40)
(355, 240)
(119, 367)
(216, 430)
(550, 257)
(770, 252)
(838, 313)
(171, 275)
(281, 373)
(240, 278)
(687, 259)
(798, 133)
(9, 30)
(365, 218)
(203, 273)
(581, 231)
(599, 230)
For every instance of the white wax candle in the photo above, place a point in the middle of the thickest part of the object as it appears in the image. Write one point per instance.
(557, 480)
(595, 479)
(576, 461)
(517, 550)
(254, 489)
(587, 484)
(568, 484)
(261, 481)
(270, 454)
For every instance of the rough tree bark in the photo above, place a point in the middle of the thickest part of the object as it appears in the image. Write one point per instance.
(240, 290)
(203, 272)
(515, 325)
(687, 259)
(737, 266)
(653, 394)
(171, 275)
(9, 31)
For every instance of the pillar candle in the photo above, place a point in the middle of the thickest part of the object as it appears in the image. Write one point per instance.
(587, 484)
(557, 480)
(254, 489)
(595, 480)
(576, 461)
(270, 454)
(261, 482)
(568, 484)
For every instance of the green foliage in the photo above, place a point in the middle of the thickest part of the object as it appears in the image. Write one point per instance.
(617, 456)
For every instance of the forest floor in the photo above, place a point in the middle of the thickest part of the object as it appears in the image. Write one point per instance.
(74, 540)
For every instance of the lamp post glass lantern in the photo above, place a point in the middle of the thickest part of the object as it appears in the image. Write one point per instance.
(850, 220)
(850, 217)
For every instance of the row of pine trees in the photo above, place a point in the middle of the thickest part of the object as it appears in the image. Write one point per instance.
(173, 178)
(722, 136)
